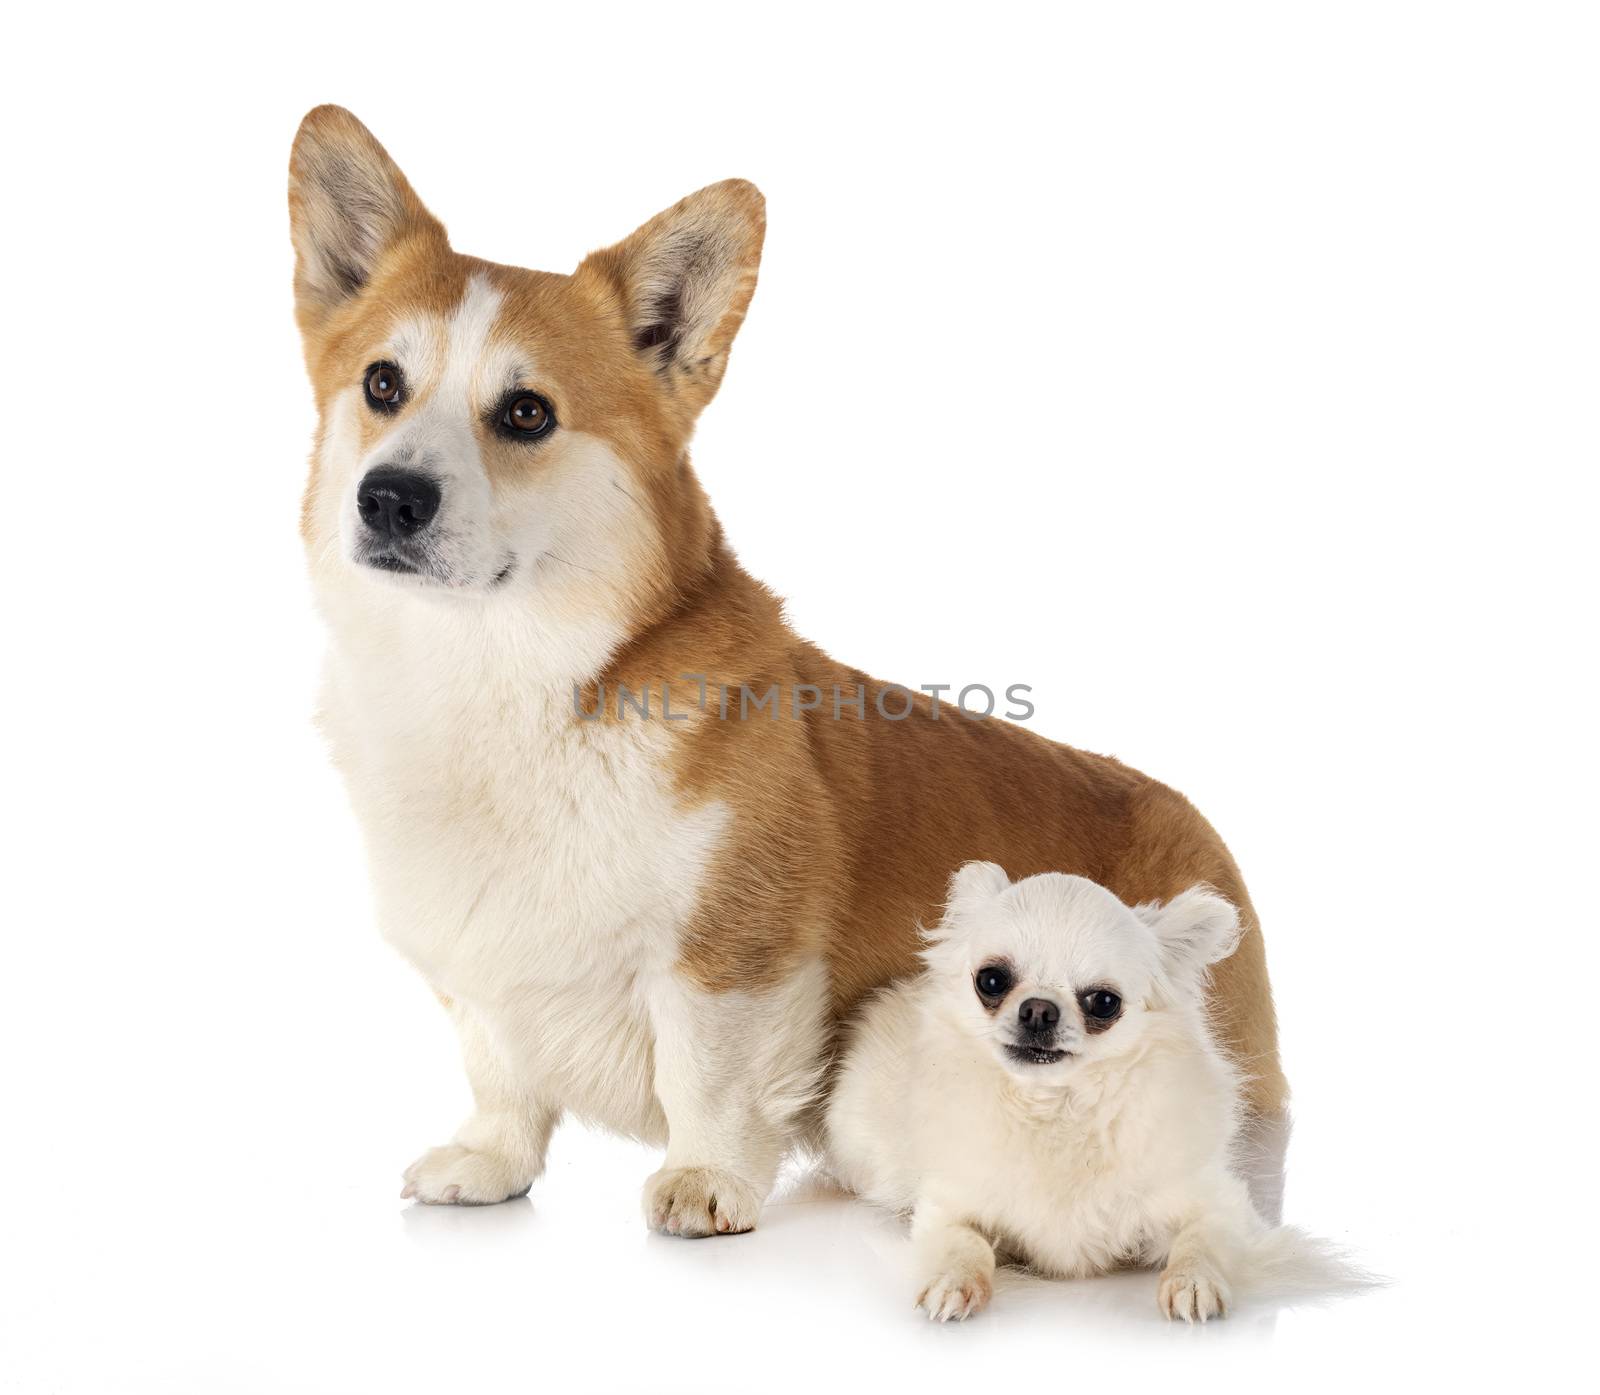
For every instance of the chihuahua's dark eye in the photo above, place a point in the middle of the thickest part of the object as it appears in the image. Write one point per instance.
(528, 415)
(1101, 1005)
(383, 386)
(993, 982)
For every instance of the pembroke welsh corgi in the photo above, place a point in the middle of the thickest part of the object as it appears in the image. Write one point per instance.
(646, 904)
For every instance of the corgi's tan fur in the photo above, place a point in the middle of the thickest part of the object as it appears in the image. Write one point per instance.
(653, 924)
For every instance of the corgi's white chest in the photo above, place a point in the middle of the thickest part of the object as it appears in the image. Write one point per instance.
(536, 869)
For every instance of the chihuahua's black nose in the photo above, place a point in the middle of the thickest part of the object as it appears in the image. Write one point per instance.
(1038, 1015)
(396, 503)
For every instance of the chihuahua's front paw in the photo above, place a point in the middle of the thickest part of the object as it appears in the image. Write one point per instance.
(696, 1201)
(957, 1293)
(1192, 1295)
(456, 1175)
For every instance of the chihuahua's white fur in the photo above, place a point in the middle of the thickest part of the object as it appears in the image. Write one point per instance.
(1118, 1154)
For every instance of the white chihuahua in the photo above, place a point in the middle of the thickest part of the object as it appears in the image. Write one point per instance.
(1050, 1086)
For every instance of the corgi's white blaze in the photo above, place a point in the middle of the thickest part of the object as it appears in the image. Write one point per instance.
(453, 359)
(454, 371)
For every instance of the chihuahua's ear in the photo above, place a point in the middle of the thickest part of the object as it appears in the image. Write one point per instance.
(349, 207)
(972, 887)
(683, 283)
(1196, 928)
(976, 883)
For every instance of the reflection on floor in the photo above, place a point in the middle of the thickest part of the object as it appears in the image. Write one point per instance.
(811, 1230)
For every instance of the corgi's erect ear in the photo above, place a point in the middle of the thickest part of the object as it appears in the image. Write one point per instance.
(349, 206)
(1195, 928)
(684, 281)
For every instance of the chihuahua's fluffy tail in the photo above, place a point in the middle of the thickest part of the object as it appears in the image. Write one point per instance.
(1286, 1263)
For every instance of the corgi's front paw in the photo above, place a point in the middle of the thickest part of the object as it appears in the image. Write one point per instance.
(957, 1293)
(696, 1201)
(1192, 1295)
(456, 1175)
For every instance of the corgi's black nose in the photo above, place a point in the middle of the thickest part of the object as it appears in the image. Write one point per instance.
(396, 503)
(1038, 1015)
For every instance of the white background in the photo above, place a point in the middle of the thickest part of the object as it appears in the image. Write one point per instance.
(1225, 372)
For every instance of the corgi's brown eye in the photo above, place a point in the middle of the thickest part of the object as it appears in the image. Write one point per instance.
(1101, 1007)
(383, 386)
(528, 415)
(993, 982)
